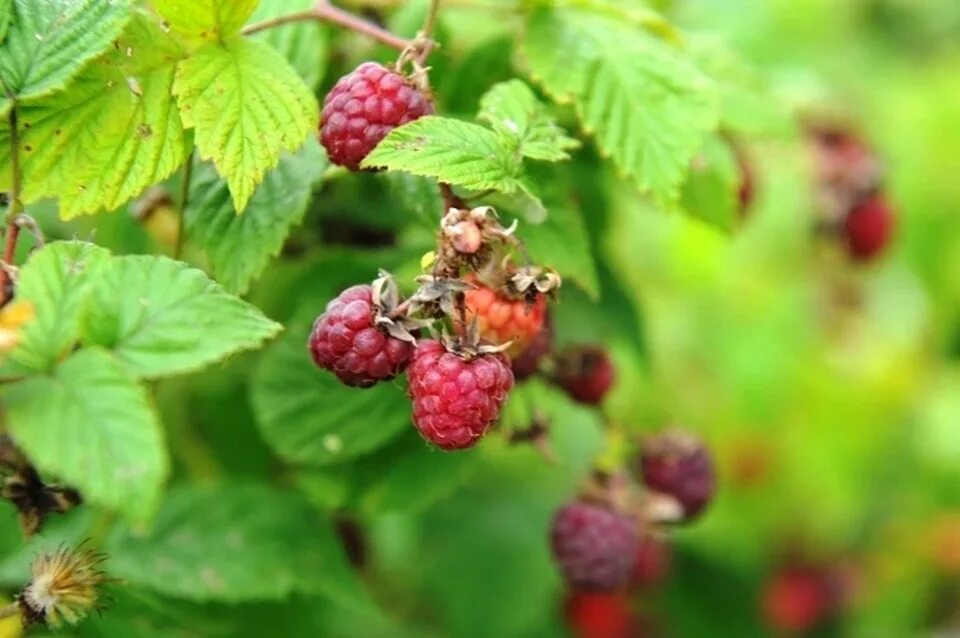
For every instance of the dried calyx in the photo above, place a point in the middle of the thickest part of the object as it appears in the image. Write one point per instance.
(390, 314)
(34, 499)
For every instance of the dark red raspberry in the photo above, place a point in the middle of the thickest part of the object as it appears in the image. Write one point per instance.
(594, 546)
(455, 400)
(586, 373)
(867, 228)
(601, 615)
(365, 105)
(677, 464)
(527, 363)
(345, 341)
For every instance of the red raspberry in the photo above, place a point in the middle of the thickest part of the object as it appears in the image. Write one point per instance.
(454, 400)
(601, 615)
(586, 373)
(652, 564)
(677, 464)
(867, 228)
(527, 363)
(795, 599)
(594, 546)
(345, 341)
(365, 105)
(501, 319)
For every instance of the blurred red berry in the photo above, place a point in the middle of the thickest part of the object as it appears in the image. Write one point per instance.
(868, 227)
(795, 599)
(455, 401)
(586, 373)
(677, 464)
(362, 107)
(652, 563)
(345, 341)
(594, 546)
(598, 615)
(527, 363)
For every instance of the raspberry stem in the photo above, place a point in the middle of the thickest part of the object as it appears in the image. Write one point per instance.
(182, 205)
(326, 12)
(13, 225)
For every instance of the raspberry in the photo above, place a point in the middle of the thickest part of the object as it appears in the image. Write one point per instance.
(527, 363)
(365, 105)
(345, 341)
(678, 465)
(867, 228)
(586, 373)
(454, 400)
(594, 546)
(795, 599)
(599, 615)
(501, 319)
(652, 564)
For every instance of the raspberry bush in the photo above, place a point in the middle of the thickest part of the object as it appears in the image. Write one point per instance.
(478, 318)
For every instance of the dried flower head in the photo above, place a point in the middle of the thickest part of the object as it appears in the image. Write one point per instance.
(64, 586)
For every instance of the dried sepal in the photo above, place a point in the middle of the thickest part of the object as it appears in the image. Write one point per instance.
(34, 499)
(437, 296)
(530, 280)
(390, 314)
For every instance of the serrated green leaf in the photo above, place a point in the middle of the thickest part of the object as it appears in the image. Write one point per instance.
(162, 317)
(647, 106)
(6, 7)
(240, 246)
(245, 104)
(515, 113)
(56, 281)
(91, 424)
(234, 543)
(455, 152)
(304, 44)
(309, 418)
(48, 41)
(206, 19)
(112, 133)
(710, 192)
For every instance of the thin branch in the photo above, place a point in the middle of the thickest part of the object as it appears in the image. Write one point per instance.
(182, 205)
(13, 228)
(325, 12)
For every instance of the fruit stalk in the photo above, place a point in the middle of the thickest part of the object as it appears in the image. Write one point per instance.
(182, 206)
(326, 12)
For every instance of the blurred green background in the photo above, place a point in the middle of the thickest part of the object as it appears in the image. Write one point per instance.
(829, 393)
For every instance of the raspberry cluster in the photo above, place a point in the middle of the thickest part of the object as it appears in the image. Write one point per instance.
(594, 546)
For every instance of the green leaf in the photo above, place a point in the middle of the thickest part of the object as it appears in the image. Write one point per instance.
(561, 241)
(112, 133)
(647, 106)
(245, 104)
(92, 425)
(48, 41)
(162, 317)
(710, 192)
(308, 417)
(455, 152)
(305, 44)
(240, 246)
(516, 115)
(746, 103)
(56, 281)
(6, 7)
(234, 543)
(206, 19)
